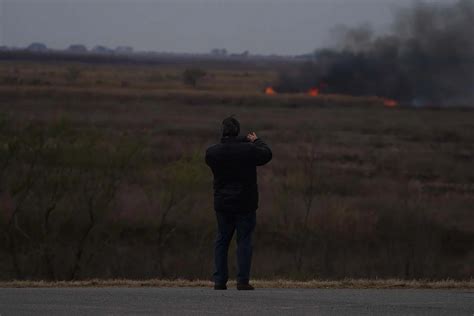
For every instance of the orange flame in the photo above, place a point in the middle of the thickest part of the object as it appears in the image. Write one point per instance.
(270, 91)
(390, 103)
(314, 92)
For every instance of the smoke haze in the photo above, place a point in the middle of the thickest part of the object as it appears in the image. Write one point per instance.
(428, 58)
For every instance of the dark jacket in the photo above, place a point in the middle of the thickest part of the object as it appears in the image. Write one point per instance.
(234, 164)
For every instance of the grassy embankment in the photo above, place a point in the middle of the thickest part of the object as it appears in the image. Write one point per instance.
(283, 284)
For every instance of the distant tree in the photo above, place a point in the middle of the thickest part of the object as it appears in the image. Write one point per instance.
(77, 48)
(124, 50)
(72, 74)
(37, 47)
(99, 49)
(219, 52)
(191, 76)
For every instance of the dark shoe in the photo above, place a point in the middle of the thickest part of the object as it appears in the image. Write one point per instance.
(220, 287)
(245, 287)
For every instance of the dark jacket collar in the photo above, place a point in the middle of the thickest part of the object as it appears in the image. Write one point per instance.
(233, 139)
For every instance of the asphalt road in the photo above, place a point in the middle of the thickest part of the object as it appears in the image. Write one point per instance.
(201, 301)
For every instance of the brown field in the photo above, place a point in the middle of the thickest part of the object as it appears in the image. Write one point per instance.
(102, 175)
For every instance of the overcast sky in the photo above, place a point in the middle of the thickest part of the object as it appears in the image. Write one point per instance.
(259, 26)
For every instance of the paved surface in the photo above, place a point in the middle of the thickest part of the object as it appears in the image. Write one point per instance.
(187, 301)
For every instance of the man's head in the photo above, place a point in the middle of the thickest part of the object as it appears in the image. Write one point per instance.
(230, 127)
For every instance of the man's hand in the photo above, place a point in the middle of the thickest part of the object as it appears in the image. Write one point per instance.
(252, 136)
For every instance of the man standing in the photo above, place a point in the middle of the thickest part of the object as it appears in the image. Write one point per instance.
(233, 162)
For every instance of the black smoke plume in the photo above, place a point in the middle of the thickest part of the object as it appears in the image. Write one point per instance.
(428, 59)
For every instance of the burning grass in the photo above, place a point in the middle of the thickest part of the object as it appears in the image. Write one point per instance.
(418, 62)
(187, 96)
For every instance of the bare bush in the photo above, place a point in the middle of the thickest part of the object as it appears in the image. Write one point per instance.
(191, 76)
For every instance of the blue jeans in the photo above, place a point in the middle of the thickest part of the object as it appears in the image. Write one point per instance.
(227, 223)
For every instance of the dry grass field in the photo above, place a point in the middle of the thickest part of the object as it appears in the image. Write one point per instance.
(102, 175)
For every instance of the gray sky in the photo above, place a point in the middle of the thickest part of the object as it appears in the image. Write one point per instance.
(259, 26)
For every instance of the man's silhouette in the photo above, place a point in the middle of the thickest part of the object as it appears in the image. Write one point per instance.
(234, 164)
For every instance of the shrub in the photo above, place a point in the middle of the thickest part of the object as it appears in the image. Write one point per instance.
(191, 76)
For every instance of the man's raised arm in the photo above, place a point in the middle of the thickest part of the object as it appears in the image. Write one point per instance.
(263, 153)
